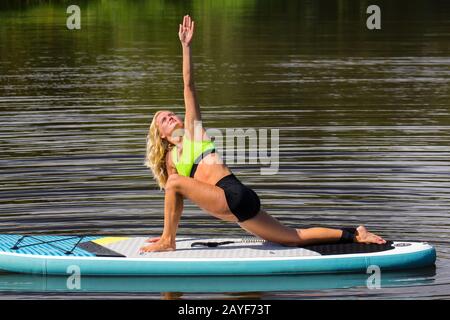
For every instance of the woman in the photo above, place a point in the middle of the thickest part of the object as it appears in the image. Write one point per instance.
(187, 166)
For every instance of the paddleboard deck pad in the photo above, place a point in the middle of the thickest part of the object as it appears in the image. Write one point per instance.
(119, 256)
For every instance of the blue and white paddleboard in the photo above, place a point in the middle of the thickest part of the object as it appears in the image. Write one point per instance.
(119, 256)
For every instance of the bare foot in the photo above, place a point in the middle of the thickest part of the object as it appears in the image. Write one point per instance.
(158, 246)
(364, 236)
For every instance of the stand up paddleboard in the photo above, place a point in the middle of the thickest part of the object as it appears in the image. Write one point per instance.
(119, 256)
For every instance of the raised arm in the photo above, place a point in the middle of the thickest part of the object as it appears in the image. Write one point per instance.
(192, 107)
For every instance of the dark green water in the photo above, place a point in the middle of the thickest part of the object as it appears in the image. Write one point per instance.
(364, 119)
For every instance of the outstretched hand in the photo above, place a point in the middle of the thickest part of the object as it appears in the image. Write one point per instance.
(186, 31)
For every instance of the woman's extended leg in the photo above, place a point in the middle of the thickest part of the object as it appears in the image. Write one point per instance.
(268, 228)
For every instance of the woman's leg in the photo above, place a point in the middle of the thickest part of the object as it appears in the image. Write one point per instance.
(268, 228)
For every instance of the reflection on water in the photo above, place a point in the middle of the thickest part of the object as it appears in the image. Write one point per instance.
(364, 118)
(176, 287)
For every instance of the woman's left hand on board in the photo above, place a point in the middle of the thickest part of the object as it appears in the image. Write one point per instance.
(151, 240)
(157, 246)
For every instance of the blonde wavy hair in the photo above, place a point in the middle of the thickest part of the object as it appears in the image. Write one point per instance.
(155, 157)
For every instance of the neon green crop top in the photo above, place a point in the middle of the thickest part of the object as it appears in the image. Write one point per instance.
(192, 153)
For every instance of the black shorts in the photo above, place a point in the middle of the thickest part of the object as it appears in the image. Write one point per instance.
(243, 202)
